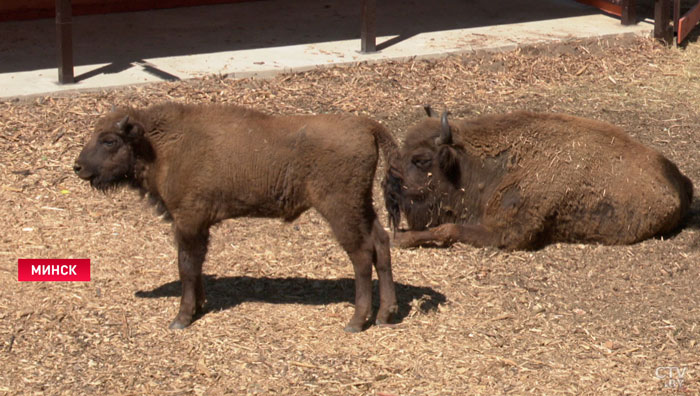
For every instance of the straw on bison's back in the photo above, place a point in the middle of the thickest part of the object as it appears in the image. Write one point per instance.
(523, 180)
(203, 164)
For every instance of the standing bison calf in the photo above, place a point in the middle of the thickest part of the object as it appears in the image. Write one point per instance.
(204, 164)
(523, 180)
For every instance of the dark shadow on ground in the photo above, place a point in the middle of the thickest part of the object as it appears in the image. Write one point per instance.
(121, 39)
(118, 67)
(227, 292)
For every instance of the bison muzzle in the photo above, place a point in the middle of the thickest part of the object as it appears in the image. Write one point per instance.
(201, 164)
(524, 180)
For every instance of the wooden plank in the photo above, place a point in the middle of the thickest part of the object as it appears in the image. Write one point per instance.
(368, 30)
(688, 22)
(662, 19)
(64, 41)
(33, 9)
(603, 5)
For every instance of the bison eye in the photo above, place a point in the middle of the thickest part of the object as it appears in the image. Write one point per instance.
(422, 162)
(109, 143)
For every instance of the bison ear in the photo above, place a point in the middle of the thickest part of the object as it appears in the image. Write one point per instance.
(449, 164)
(129, 128)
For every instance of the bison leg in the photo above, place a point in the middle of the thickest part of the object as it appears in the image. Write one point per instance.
(368, 245)
(370, 249)
(366, 242)
(447, 234)
(387, 293)
(191, 251)
(362, 264)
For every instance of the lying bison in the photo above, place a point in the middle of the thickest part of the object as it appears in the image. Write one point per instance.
(204, 164)
(523, 180)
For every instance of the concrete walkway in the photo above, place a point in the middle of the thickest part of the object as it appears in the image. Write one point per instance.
(267, 37)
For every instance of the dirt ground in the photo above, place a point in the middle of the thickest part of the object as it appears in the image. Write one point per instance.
(567, 319)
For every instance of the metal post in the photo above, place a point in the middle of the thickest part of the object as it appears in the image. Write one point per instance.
(368, 31)
(629, 12)
(662, 19)
(64, 40)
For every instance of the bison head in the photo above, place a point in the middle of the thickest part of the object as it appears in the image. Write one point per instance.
(426, 170)
(109, 157)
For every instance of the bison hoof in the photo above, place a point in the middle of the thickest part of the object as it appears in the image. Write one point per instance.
(384, 323)
(352, 329)
(380, 322)
(177, 325)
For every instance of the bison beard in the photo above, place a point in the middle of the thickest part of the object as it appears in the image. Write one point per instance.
(203, 164)
(525, 180)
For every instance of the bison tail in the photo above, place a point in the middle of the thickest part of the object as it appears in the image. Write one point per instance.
(386, 142)
(391, 183)
(392, 196)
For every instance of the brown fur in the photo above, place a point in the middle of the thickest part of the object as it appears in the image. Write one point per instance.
(204, 164)
(523, 180)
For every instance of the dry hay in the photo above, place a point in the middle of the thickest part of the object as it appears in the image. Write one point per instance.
(568, 319)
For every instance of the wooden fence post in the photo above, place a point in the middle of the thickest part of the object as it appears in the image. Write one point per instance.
(64, 41)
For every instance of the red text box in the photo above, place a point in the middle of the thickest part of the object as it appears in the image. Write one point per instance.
(53, 270)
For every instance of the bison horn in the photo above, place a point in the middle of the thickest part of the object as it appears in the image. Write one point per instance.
(445, 131)
(122, 124)
(429, 110)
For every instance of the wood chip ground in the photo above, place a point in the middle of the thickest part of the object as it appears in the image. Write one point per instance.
(567, 319)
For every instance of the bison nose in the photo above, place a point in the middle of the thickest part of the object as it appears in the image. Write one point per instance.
(77, 168)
